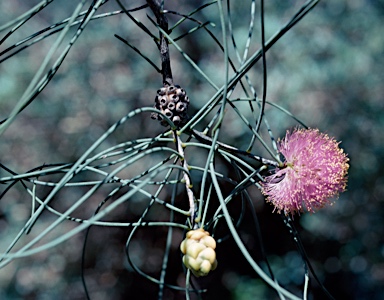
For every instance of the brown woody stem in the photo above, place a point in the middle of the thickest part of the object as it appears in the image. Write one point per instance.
(162, 21)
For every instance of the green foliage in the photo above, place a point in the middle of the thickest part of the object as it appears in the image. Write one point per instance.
(110, 177)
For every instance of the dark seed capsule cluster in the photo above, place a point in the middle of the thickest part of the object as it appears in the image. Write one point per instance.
(173, 102)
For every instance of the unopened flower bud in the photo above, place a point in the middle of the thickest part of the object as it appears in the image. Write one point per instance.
(199, 252)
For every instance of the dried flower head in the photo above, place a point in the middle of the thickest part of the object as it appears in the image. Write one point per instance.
(173, 102)
(314, 171)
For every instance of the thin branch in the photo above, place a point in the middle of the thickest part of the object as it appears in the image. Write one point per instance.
(162, 21)
(207, 140)
(187, 179)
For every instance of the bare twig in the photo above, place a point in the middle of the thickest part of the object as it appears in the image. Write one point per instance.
(188, 183)
(162, 21)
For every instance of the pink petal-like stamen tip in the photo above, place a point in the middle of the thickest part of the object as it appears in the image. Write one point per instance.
(315, 171)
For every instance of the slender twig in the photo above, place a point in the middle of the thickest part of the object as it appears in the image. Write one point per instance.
(166, 71)
(206, 139)
(187, 179)
(162, 21)
(296, 237)
(138, 51)
(306, 282)
(263, 53)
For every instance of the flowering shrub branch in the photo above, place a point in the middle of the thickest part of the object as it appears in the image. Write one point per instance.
(312, 170)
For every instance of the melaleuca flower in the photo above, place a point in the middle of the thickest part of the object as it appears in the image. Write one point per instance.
(199, 252)
(315, 170)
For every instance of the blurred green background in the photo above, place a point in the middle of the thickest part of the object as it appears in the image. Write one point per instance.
(328, 71)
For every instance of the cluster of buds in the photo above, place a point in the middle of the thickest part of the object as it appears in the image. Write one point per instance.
(173, 102)
(199, 252)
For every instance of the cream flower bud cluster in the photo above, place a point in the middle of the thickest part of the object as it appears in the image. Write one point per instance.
(199, 252)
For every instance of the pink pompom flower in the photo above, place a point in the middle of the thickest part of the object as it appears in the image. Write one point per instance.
(315, 170)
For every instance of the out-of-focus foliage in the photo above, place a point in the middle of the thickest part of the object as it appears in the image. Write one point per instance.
(328, 71)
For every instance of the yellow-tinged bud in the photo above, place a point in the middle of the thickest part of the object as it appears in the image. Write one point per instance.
(197, 234)
(194, 249)
(208, 254)
(199, 252)
(205, 267)
(209, 241)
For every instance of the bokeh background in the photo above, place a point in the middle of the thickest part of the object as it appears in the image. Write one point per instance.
(328, 71)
